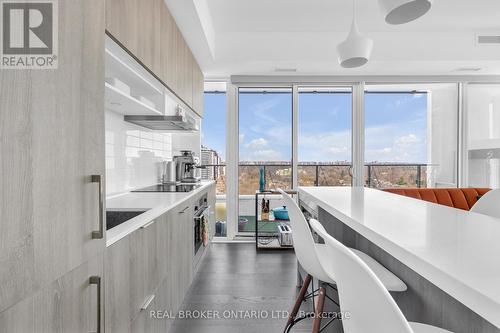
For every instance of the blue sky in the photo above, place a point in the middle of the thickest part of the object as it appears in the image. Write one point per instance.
(396, 126)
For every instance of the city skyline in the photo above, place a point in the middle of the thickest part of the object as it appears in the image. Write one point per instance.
(396, 127)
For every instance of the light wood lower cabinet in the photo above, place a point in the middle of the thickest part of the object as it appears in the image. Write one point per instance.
(156, 260)
(117, 282)
(132, 274)
(144, 272)
(158, 316)
(70, 304)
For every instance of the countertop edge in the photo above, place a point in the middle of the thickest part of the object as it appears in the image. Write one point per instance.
(115, 234)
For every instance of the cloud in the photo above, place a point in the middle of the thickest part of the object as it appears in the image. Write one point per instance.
(262, 110)
(256, 144)
(263, 155)
(407, 140)
(394, 146)
(325, 146)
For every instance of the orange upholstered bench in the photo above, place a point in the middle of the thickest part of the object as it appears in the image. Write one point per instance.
(462, 198)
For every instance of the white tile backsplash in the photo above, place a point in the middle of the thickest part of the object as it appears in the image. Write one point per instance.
(133, 155)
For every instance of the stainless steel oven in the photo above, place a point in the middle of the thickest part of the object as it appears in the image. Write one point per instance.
(201, 223)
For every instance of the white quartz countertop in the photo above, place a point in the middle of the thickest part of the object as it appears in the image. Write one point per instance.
(154, 203)
(456, 250)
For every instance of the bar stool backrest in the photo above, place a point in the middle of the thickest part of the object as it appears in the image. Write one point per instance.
(366, 303)
(489, 204)
(303, 241)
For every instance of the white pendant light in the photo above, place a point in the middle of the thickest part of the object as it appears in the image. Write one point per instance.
(404, 11)
(355, 51)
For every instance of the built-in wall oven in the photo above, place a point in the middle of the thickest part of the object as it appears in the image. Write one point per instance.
(201, 223)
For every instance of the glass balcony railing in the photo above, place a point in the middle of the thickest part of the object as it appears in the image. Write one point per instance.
(279, 175)
(396, 175)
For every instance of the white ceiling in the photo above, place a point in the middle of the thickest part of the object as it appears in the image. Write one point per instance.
(243, 37)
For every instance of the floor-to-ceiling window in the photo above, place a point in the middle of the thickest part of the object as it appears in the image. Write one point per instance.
(410, 132)
(483, 135)
(411, 135)
(265, 143)
(213, 148)
(324, 136)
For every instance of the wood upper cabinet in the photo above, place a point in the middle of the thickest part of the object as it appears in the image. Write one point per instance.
(136, 25)
(168, 44)
(148, 44)
(182, 62)
(198, 89)
(122, 22)
(52, 125)
(188, 76)
(148, 30)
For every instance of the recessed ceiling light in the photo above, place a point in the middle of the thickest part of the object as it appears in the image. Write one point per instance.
(290, 70)
(404, 11)
(488, 39)
(468, 69)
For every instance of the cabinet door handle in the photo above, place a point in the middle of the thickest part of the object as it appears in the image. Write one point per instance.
(147, 302)
(99, 234)
(97, 281)
(184, 210)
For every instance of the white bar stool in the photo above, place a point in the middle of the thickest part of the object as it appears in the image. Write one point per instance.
(309, 254)
(361, 293)
(488, 204)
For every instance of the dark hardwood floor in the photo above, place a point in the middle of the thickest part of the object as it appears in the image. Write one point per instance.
(234, 280)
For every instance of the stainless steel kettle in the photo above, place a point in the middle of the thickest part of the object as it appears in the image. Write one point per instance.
(168, 174)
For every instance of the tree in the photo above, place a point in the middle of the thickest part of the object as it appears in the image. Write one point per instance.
(401, 181)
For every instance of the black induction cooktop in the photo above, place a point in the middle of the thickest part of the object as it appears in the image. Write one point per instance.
(169, 188)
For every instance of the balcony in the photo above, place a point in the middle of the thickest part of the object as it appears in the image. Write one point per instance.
(279, 175)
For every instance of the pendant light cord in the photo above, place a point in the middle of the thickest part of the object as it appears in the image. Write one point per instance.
(354, 10)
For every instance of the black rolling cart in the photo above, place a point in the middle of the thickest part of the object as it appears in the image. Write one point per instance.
(267, 233)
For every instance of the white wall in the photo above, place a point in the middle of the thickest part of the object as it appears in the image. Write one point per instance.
(186, 141)
(133, 155)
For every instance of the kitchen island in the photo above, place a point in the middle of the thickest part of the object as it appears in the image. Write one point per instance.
(447, 257)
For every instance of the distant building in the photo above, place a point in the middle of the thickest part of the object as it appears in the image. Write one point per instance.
(210, 157)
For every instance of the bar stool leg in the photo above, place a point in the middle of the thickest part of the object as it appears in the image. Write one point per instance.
(299, 301)
(319, 310)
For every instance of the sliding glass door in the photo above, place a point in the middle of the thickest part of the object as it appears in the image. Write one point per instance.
(265, 143)
(213, 148)
(324, 136)
(411, 135)
(300, 135)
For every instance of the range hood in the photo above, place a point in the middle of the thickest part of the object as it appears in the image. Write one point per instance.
(164, 123)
